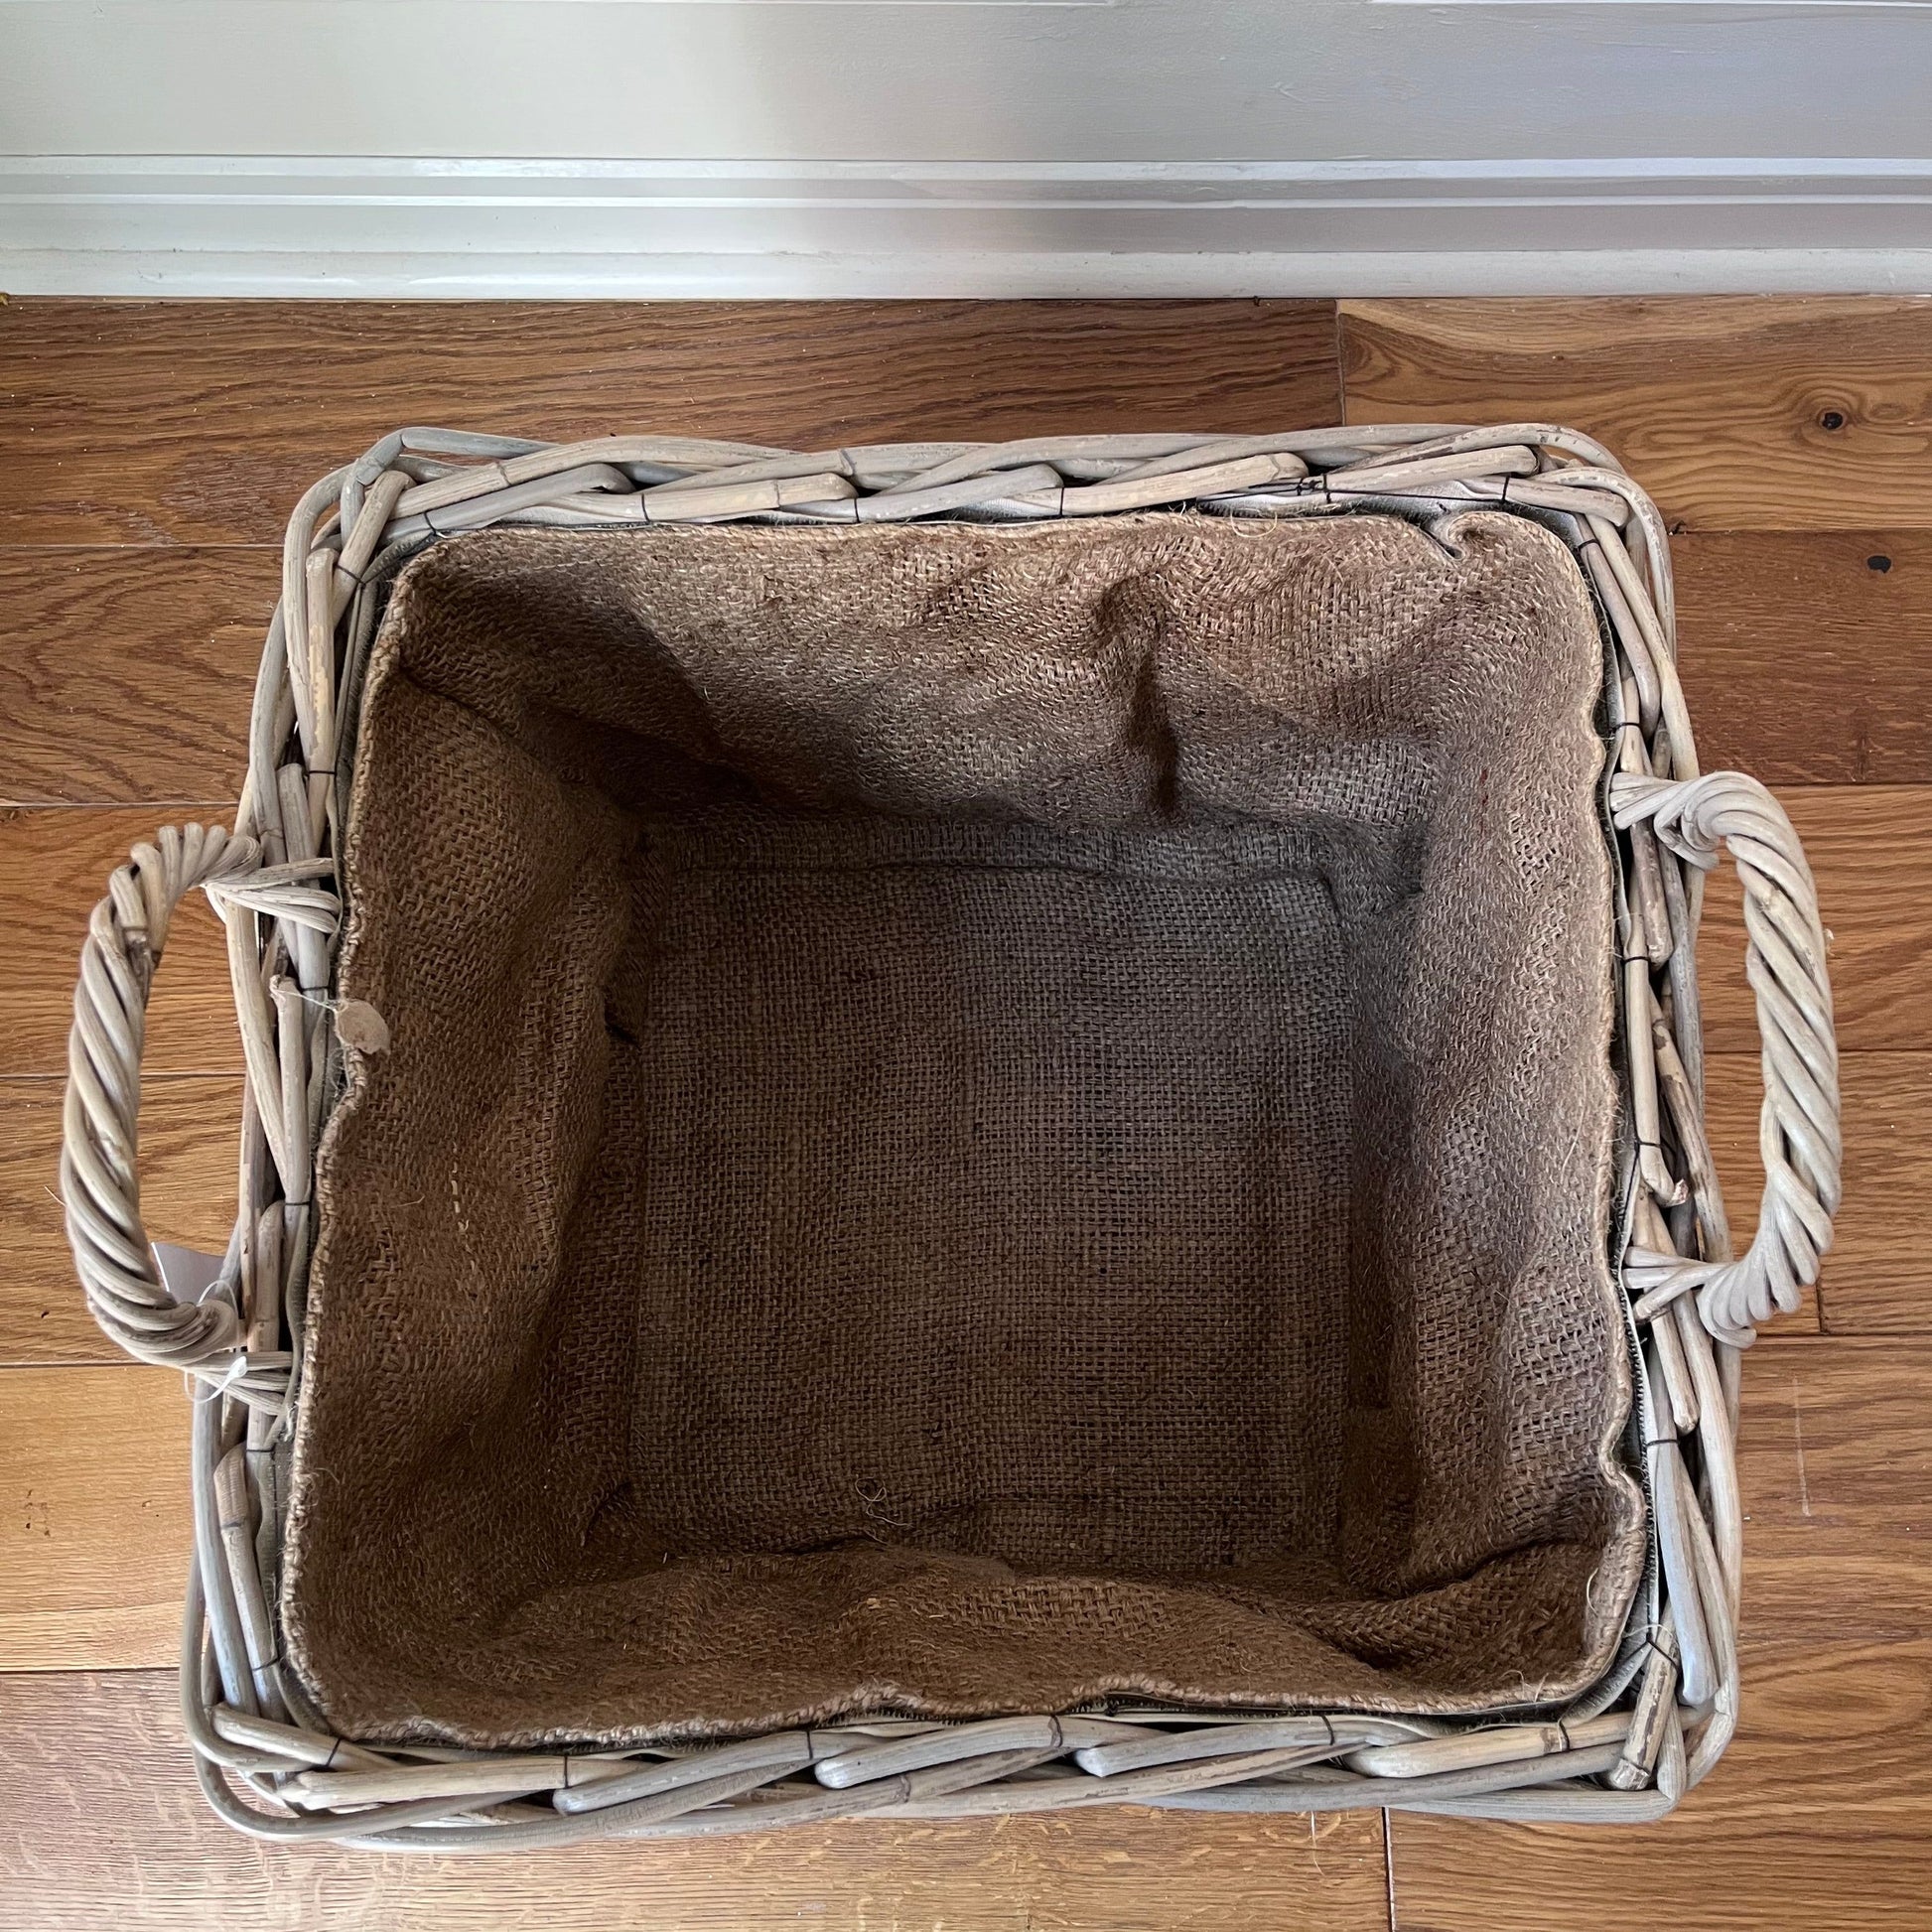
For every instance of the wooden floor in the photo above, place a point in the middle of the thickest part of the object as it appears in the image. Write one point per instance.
(151, 453)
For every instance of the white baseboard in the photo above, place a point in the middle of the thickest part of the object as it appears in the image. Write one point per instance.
(379, 227)
(353, 276)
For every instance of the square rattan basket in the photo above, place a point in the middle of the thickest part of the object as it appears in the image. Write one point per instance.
(951, 1129)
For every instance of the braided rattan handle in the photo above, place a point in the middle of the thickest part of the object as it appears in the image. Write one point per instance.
(1798, 1125)
(99, 1184)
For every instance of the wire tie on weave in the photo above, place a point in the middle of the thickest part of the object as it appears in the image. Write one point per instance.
(211, 1388)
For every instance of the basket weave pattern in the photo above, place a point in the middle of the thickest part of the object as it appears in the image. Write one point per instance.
(1627, 1750)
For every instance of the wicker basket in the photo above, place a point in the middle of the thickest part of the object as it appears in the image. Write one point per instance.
(1649, 1725)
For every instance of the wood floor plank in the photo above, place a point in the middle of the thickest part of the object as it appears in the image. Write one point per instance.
(1871, 852)
(93, 1518)
(189, 1132)
(1834, 1450)
(1807, 656)
(1735, 412)
(53, 869)
(202, 422)
(1873, 1279)
(100, 1823)
(128, 674)
(1815, 1819)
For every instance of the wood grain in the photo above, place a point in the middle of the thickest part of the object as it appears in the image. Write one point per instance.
(1835, 1451)
(100, 1823)
(1871, 852)
(93, 1518)
(154, 422)
(1814, 1820)
(190, 1131)
(128, 675)
(1736, 413)
(53, 869)
(1807, 657)
(1875, 1277)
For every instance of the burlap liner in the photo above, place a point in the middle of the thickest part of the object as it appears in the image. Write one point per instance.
(976, 1118)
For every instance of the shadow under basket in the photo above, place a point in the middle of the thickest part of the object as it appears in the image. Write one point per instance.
(948, 1129)
(975, 1120)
